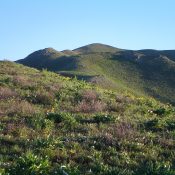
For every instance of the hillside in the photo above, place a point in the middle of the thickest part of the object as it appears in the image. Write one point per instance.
(142, 72)
(50, 124)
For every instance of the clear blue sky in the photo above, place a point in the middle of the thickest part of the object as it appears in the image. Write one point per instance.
(29, 25)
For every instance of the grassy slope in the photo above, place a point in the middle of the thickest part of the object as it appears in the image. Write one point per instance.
(47, 121)
(146, 72)
(154, 77)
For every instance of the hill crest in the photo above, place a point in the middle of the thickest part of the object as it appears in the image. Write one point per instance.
(96, 47)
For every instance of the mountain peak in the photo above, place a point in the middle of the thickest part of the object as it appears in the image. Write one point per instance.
(46, 52)
(96, 47)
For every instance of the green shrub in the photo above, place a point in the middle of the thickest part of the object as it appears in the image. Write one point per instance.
(67, 119)
(104, 118)
(56, 117)
(30, 164)
(154, 168)
(2, 171)
(152, 125)
(49, 142)
(160, 111)
(40, 96)
(65, 170)
(170, 124)
(38, 122)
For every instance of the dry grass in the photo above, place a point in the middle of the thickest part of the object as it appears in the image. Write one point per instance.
(90, 95)
(53, 88)
(21, 108)
(6, 93)
(90, 107)
(90, 102)
(44, 97)
(23, 81)
(122, 130)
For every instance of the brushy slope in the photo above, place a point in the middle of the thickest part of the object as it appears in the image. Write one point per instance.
(147, 72)
(55, 125)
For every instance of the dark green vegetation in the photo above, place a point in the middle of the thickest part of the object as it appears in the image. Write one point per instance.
(50, 125)
(145, 72)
